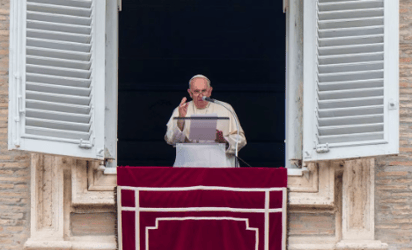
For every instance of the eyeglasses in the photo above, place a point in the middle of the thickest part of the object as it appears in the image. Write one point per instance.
(197, 92)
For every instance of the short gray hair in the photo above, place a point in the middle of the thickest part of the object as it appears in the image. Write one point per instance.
(199, 76)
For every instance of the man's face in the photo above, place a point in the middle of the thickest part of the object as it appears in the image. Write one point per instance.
(197, 90)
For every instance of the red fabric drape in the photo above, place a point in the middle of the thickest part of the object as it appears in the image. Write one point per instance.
(202, 208)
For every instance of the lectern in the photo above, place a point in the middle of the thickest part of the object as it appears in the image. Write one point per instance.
(199, 148)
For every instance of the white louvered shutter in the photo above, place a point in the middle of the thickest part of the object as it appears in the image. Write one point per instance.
(57, 77)
(351, 78)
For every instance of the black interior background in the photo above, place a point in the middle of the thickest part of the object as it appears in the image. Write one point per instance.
(238, 44)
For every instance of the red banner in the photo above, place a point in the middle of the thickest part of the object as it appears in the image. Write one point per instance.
(164, 208)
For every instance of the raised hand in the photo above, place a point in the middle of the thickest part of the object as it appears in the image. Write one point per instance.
(182, 113)
(183, 107)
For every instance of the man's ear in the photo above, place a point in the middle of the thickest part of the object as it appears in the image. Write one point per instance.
(190, 93)
(210, 91)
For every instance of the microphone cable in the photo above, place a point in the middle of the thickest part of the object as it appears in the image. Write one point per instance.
(237, 157)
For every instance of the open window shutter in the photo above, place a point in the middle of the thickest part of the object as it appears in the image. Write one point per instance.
(351, 78)
(57, 77)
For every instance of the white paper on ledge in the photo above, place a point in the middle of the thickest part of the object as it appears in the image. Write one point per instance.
(203, 129)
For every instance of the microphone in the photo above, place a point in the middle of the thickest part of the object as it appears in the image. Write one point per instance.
(204, 98)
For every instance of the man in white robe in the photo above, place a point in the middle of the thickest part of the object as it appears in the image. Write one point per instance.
(199, 86)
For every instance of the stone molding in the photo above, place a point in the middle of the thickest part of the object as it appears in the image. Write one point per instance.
(61, 185)
(52, 196)
(315, 188)
(358, 206)
(308, 184)
(74, 243)
(99, 181)
(361, 245)
(90, 186)
(351, 200)
(47, 197)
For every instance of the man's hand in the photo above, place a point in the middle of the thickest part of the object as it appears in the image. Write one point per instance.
(182, 113)
(183, 107)
(219, 137)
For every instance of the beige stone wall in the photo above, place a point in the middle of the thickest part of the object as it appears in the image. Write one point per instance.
(393, 195)
(14, 166)
(320, 223)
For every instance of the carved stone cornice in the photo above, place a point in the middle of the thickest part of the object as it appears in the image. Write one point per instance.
(90, 186)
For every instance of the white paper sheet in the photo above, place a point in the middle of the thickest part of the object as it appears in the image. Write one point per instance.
(203, 129)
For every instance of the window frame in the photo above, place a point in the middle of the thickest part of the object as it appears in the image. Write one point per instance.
(112, 59)
(294, 87)
(293, 94)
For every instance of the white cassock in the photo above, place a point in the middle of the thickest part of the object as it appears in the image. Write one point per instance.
(175, 135)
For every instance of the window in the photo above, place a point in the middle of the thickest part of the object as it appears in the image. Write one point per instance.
(63, 80)
(162, 44)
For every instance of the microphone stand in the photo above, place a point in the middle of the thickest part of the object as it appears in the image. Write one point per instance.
(237, 125)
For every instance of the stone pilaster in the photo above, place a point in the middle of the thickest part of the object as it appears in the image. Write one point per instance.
(358, 197)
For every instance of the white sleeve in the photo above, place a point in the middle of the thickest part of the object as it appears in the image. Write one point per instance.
(174, 134)
(232, 138)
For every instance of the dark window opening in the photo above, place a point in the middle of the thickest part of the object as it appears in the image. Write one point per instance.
(238, 45)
